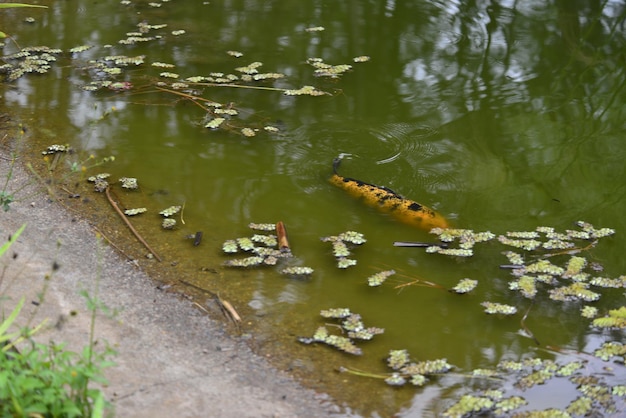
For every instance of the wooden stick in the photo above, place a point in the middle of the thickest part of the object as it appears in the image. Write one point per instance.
(129, 225)
(281, 233)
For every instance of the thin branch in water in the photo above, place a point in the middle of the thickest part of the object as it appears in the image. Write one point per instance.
(129, 225)
(525, 328)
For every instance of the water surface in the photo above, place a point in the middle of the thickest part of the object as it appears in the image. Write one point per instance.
(503, 116)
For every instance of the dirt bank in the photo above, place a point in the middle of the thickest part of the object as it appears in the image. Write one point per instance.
(172, 361)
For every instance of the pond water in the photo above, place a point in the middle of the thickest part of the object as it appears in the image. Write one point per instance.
(502, 116)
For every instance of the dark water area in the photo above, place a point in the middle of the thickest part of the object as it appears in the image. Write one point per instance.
(501, 115)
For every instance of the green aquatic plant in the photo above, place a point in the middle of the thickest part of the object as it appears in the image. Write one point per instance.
(265, 247)
(170, 211)
(499, 308)
(129, 183)
(350, 324)
(616, 319)
(341, 250)
(379, 278)
(405, 371)
(135, 211)
(465, 286)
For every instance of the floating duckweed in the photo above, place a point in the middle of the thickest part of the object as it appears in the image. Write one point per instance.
(468, 404)
(465, 286)
(339, 342)
(352, 237)
(244, 262)
(129, 183)
(315, 29)
(100, 185)
(248, 132)
(499, 308)
(267, 76)
(166, 74)
(340, 249)
(569, 369)
(297, 271)
(81, 48)
(172, 210)
(526, 285)
(168, 223)
(427, 367)
(395, 379)
(589, 312)
(250, 69)
(525, 244)
(230, 246)
(305, 91)
(536, 378)
(245, 244)
(133, 212)
(494, 394)
(379, 278)
(362, 58)
(606, 282)
(267, 240)
(398, 359)
(262, 226)
(619, 390)
(615, 319)
(214, 123)
(337, 313)
(418, 380)
(510, 365)
(351, 323)
(100, 176)
(554, 244)
(457, 252)
(365, 334)
(162, 65)
(523, 234)
(544, 266)
(53, 149)
(229, 112)
(484, 372)
(506, 405)
(575, 291)
(344, 263)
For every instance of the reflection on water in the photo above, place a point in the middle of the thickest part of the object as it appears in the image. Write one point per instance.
(500, 115)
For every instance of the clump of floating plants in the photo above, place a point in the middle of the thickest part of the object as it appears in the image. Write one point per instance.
(465, 286)
(379, 278)
(543, 259)
(264, 248)
(406, 371)
(351, 327)
(167, 213)
(99, 181)
(595, 395)
(129, 183)
(341, 246)
(29, 60)
(466, 239)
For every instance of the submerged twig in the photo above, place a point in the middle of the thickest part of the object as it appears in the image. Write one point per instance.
(130, 226)
(281, 233)
(523, 324)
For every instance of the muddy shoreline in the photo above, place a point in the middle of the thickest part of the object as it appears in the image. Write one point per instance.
(172, 359)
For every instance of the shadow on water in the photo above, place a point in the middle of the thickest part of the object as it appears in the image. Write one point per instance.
(503, 116)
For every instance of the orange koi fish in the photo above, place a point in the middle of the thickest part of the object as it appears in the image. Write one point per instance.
(386, 200)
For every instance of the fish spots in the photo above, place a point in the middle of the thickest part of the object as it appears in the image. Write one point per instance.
(388, 201)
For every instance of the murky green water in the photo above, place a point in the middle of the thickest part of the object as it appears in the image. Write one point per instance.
(502, 116)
